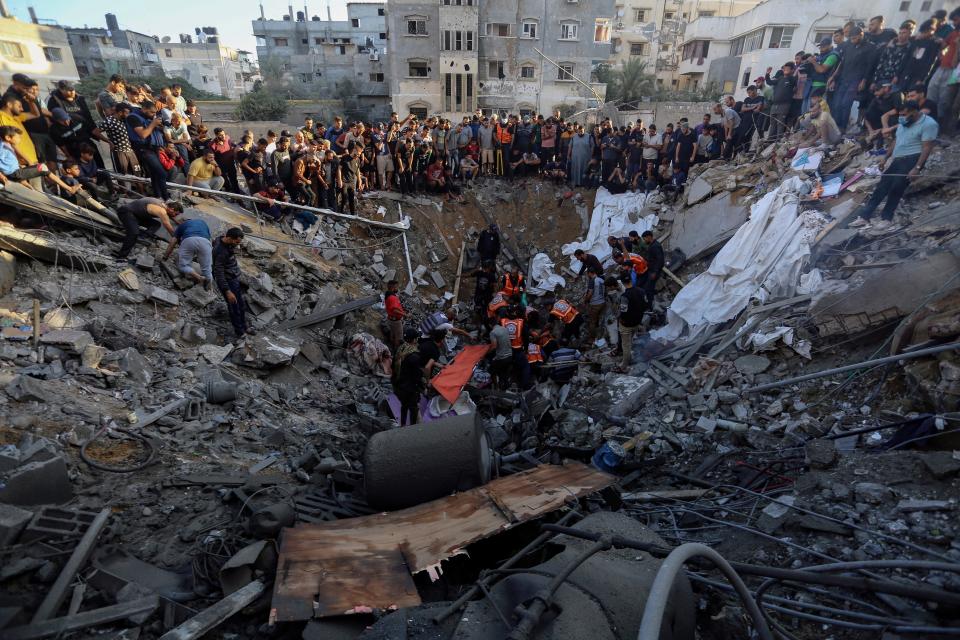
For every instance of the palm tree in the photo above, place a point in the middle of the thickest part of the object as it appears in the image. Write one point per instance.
(631, 82)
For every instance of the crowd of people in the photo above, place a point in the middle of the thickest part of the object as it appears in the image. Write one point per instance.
(528, 337)
(161, 135)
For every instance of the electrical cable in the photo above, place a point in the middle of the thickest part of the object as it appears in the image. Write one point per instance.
(671, 567)
(151, 452)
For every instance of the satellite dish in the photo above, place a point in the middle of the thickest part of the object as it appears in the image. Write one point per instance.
(165, 39)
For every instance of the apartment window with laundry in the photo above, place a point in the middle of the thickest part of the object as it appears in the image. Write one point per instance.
(568, 30)
(53, 54)
(416, 26)
(781, 37)
(601, 31)
(530, 29)
(418, 69)
(565, 71)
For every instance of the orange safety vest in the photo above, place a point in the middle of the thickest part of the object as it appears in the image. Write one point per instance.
(503, 135)
(515, 331)
(509, 287)
(497, 302)
(638, 263)
(534, 353)
(563, 310)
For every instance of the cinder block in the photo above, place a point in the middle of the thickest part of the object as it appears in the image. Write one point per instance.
(12, 522)
(43, 482)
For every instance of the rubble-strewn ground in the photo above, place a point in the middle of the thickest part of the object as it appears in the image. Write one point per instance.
(750, 473)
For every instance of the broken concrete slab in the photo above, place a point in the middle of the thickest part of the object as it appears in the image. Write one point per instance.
(821, 453)
(706, 226)
(67, 339)
(24, 388)
(43, 482)
(258, 247)
(752, 364)
(438, 280)
(698, 190)
(134, 365)
(59, 252)
(267, 351)
(146, 262)
(627, 393)
(941, 464)
(883, 296)
(324, 314)
(162, 295)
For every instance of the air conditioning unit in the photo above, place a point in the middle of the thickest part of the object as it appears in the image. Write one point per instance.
(374, 56)
(618, 26)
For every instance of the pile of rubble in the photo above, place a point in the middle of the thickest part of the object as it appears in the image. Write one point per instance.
(792, 409)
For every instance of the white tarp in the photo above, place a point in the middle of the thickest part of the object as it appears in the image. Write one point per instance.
(613, 215)
(542, 275)
(763, 260)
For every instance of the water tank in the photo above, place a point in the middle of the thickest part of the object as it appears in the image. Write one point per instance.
(301, 17)
(286, 18)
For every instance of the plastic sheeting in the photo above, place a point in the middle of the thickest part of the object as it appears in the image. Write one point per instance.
(762, 261)
(613, 215)
(541, 273)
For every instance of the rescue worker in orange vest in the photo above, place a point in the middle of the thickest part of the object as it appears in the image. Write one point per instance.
(542, 344)
(497, 302)
(571, 319)
(631, 264)
(519, 337)
(513, 285)
(503, 140)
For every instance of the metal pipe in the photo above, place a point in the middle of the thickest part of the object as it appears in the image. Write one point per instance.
(406, 250)
(853, 367)
(403, 225)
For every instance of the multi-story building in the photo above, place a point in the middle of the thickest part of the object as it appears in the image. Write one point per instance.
(113, 50)
(38, 50)
(520, 56)
(330, 58)
(652, 31)
(730, 52)
(209, 64)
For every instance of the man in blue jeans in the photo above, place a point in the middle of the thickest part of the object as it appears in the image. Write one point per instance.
(915, 136)
(851, 78)
(226, 273)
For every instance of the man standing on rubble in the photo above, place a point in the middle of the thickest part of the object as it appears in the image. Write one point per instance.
(502, 352)
(486, 277)
(395, 313)
(915, 136)
(587, 261)
(656, 261)
(408, 382)
(226, 273)
(193, 237)
(488, 244)
(632, 306)
(595, 299)
(152, 213)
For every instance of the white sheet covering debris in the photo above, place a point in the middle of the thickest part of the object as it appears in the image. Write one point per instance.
(762, 261)
(613, 215)
(542, 275)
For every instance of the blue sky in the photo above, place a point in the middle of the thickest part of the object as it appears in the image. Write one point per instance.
(231, 17)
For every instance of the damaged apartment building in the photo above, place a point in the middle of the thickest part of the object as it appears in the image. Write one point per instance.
(456, 56)
(341, 59)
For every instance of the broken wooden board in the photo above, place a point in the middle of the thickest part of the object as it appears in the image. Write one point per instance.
(342, 567)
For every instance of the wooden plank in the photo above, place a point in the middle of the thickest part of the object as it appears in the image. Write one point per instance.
(653, 496)
(215, 614)
(355, 560)
(706, 335)
(58, 626)
(327, 314)
(676, 377)
(456, 282)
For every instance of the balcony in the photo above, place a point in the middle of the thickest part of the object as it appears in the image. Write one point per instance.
(151, 57)
(695, 66)
(709, 28)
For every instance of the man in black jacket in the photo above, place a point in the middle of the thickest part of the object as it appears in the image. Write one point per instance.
(488, 244)
(784, 84)
(226, 273)
(656, 261)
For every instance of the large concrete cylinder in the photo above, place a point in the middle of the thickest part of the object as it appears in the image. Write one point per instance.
(411, 465)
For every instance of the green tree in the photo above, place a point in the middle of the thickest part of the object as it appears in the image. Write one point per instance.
(262, 105)
(630, 82)
(566, 110)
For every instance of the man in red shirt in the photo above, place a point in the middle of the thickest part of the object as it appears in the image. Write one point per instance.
(395, 314)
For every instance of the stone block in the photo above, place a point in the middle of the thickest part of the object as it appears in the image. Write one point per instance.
(146, 262)
(627, 394)
(135, 365)
(44, 482)
(162, 295)
(941, 464)
(67, 339)
(438, 280)
(25, 388)
(12, 521)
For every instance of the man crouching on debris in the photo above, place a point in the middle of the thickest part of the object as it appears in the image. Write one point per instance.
(193, 237)
(152, 213)
(226, 273)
